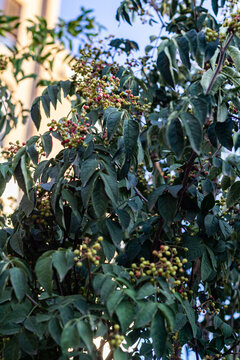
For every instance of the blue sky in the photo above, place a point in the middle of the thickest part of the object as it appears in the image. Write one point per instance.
(105, 11)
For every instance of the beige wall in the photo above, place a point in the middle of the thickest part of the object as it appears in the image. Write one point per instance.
(26, 90)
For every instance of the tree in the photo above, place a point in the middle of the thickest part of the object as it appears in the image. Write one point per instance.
(130, 234)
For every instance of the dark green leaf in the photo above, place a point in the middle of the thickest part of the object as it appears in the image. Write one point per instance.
(175, 137)
(158, 335)
(35, 113)
(44, 272)
(125, 312)
(194, 131)
(234, 194)
(145, 314)
(167, 206)
(183, 49)
(19, 282)
(224, 133)
(163, 66)
(47, 143)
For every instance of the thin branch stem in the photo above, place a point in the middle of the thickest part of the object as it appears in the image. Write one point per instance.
(220, 63)
(33, 301)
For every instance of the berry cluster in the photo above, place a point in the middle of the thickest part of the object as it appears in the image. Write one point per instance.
(210, 35)
(3, 62)
(73, 134)
(43, 207)
(234, 23)
(209, 307)
(87, 251)
(142, 181)
(116, 338)
(168, 265)
(13, 149)
(103, 91)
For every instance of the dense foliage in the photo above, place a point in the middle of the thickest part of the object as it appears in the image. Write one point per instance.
(130, 235)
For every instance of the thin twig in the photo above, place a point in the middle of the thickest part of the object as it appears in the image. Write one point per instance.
(219, 65)
(33, 301)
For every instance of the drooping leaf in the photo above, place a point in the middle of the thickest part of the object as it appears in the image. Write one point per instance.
(194, 131)
(19, 282)
(158, 335)
(163, 66)
(224, 133)
(35, 113)
(44, 272)
(183, 49)
(125, 312)
(233, 195)
(145, 314)
(175, 137)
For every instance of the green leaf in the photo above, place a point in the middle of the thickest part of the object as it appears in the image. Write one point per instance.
(163, 65)
(88, 168)
(112, 117)
(44, 272)
(153, 197)
(53, 94)
(45, 99)
(215, 6)
(145, 290)
(233, 195)
(32, 151)
(111, 187)
(108, 286)
(28, 342)
(120, 355)
(225, 228)
(66, 87)
(224, 133)
(85, 333)
(145, 314)
(47, 143)
(125, 312)
(113, 301)
(158, 335)
(183, 49)
(208, 202)
(194, 131)
(169, 314)
(72, 201)
(175, 137)
(19, 282)
(35, 113)
(234, 52)
(12, 350)
(55, 330)
(211, 224)
(99, 199)
(206, 267)
(62, 263)
(225, 182)
(70, 337)
(130, 136)
(167, 206)
(191, 316)
(115, 232)
(124, 218)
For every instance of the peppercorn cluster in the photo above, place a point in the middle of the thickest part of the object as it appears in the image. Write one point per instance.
(88, 252)
(233, 24)
(43, 207)
(116, 338)
(210, 35)
(72, 133)
(103, 91)
(168, 265)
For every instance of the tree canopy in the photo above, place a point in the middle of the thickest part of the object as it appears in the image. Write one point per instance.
(129, 237)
